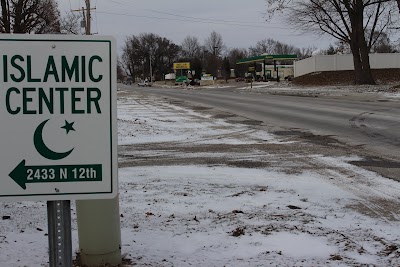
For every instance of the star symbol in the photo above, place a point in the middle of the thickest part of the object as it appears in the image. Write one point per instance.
(68, 126)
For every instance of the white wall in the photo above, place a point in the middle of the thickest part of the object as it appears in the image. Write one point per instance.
(304, 66)
(343, 62)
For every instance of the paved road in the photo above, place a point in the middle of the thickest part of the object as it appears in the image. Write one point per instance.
(375, 124)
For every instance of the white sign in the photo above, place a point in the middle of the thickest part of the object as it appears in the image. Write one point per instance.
(58, 134)
(207, 78)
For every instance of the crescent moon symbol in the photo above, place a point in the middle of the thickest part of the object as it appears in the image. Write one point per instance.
(43, 149)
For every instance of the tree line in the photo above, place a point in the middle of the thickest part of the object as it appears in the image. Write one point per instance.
(211, 56)
(214, 57)
(359, 26)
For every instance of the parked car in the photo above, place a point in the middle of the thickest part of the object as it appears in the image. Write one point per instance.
(144, 84)
(289, 77)
(193, 82)
(128, 81)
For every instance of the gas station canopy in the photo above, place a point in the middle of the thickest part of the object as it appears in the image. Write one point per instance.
(263, 58)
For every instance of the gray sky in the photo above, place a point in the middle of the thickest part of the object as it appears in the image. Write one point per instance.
(241, 23)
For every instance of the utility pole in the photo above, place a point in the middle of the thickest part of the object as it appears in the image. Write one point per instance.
(99, 229)
(88, 17)
(215, 62)
(143, 68)
(151, 70)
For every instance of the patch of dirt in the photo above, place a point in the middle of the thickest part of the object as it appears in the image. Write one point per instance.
(223, 116)
(390, 249)
(376, 162)
(249, 164)
(287, 133)
(200, 108)
(176, 102)
(335, 257)
(324, 140)
(238, 232)
(382, 76)
(246, 122)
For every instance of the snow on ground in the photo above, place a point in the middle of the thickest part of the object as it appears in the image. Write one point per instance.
(216, 215)
(396, 95)
(288, 88)
(162, 122)
(192, 221)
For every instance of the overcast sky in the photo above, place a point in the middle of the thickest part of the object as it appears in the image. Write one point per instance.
(241, 23)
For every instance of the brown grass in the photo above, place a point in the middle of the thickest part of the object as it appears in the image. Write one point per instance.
(381, 76)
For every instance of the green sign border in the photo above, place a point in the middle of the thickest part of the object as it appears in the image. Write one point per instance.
(111, 129)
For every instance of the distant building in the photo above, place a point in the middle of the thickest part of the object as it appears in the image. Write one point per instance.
(261, 68)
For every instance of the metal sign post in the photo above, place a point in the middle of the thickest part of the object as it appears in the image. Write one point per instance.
(59, 225)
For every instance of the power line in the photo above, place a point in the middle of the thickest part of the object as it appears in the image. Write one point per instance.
(189, 17)
(197, 18)
(118, 2)
(195, 21)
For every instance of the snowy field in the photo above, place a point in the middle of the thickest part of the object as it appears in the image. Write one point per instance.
(188, 210)
(386, 91)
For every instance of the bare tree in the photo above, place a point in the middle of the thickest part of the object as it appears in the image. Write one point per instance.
(5, 17)
(127, 62)
(383, 44)
(214, 47)
(29, 16)
(138, 51)
(120, 71)
(234, 56)
(271, 46)
(226, 68)
(274, 47)
(214, 44)
(306, 52)
(71, 23)
(191, 48)
(165, 55)
(266, 46)
(358, 23)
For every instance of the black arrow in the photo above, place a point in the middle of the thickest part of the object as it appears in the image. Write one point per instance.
(23, 174)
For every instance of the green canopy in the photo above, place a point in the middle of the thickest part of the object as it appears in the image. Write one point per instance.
(266, 57)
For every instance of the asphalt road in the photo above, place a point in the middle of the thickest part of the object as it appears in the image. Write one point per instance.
(371, 124)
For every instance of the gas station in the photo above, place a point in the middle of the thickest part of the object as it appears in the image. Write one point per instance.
(269, 71)
(181, 71)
